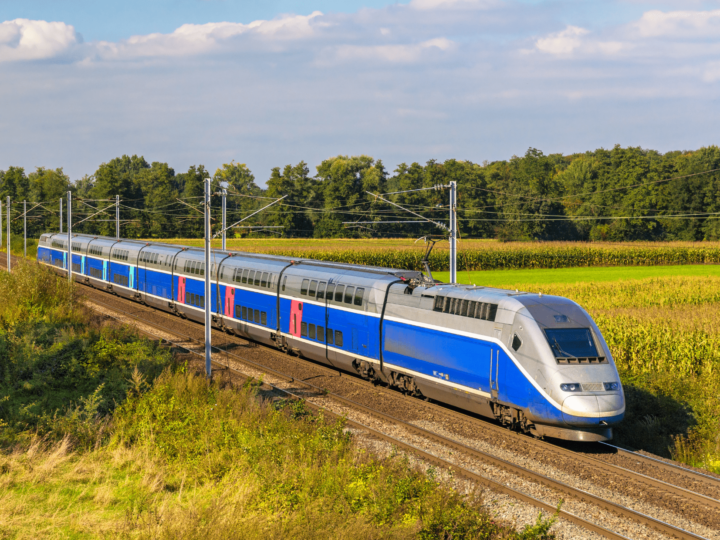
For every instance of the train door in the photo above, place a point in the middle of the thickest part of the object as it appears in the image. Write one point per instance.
(82, 265)
(132, 276)
(229, 301)
(334, 320)
(296, 313)
(494, 372)
(65, 261)
(105, 271)
(181, 289)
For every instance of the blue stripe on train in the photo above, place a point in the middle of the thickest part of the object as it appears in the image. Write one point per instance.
(430, 352)
(467, 362)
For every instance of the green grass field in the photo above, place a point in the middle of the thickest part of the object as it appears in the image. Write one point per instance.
(511, 278)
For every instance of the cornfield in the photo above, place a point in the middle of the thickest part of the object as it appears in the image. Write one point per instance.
(664, 334)
(483, 255)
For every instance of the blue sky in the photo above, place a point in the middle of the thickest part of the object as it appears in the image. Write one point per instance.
(272, 83)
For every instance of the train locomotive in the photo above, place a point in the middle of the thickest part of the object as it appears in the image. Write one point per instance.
(536, 363)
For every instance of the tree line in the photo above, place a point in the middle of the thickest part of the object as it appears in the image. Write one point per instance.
(621, 194)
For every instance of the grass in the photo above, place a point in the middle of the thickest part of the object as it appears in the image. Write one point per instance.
(664, 334)
(510, 278)
(103, 435)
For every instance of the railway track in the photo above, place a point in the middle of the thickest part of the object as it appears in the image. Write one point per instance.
(484, 457)
(179, 337)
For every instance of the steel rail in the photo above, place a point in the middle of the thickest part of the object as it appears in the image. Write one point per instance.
(649, 481)
(427, 456)
(500, 463)
(712, 481)
(707, 480)
(482, 456)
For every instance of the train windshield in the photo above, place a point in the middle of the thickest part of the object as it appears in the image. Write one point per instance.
(571, 342)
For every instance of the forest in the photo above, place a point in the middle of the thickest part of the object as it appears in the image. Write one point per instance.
(621, 194)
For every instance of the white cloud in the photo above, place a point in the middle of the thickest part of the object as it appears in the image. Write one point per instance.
(23, 39)
(200, 38)
(452, 4)
(390, 53)
(711, 73)
(564, 42)
(686, 24)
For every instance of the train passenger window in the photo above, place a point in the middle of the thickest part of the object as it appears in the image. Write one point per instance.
(263, 318)
(244, 313)
(256, 313)
(471, 309)
(271, 280)
(339, 291)
(338, 338)
(321, 290)
(359, 292)
(238, 311)
(263, 279)
(245, 275)
(447, 304)
(516, 342)
(304, 287)
(349, 294)
(313, 288)
(330, 291)
(480, 310)
(202, 269)
(303, 329)
(311, 334)
(329, 335)
(284, 282)
(439, 301)
(492, 311)
(257, 278)
(320, 333)
(251, 277)
(464, 308)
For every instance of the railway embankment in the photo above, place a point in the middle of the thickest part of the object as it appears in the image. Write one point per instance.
(640, 504)
(106, 433)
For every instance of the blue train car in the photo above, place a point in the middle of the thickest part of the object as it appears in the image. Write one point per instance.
(536, 363)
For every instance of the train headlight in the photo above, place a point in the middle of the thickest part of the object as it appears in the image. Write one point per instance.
(610, 386)
(570, 387)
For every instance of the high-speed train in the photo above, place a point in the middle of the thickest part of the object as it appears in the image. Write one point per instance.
(536, 363)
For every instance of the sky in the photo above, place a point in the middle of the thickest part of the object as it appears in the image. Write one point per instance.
(272, 83)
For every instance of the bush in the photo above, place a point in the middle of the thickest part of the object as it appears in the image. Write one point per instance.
(57, 369)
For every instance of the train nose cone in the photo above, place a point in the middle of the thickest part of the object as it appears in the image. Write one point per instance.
(579, 410)
(591, 410)
(611, 404)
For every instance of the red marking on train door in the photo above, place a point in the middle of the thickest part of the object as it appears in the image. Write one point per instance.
(229, 301)
(181, 289)
(295, 318)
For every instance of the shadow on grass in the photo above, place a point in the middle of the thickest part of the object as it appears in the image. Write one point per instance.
(652, 421)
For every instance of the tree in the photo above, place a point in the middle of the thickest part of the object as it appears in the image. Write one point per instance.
(49, 186)
(158, 219)
(192, 185)
(242, 192)
(344, 181)
(301, 191)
